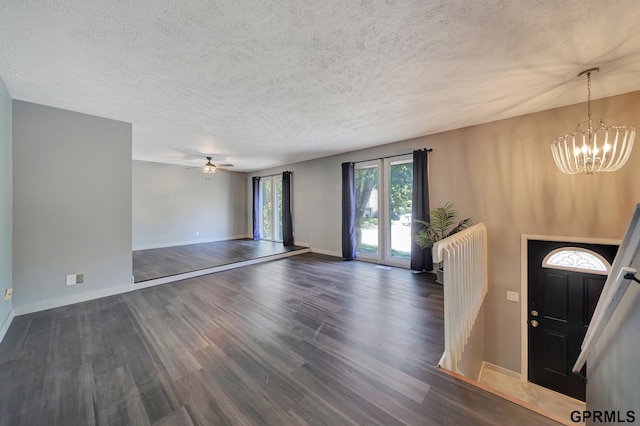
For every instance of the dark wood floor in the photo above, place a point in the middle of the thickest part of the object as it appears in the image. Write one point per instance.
(303, 340)
(165, 262)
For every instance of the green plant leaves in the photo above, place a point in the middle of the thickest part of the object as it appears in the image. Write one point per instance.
(442, 218)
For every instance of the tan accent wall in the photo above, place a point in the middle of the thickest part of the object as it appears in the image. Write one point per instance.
(503, 174)
(500, 173)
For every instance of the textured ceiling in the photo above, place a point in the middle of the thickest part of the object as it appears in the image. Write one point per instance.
(269, 82)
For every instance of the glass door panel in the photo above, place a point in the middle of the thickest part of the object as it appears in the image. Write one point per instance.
(367, 187)
(400, 187)
(271, 208)
(277, 219)
(266, 201)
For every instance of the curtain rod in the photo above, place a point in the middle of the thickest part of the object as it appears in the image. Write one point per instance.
(275, 174)
(391, 156)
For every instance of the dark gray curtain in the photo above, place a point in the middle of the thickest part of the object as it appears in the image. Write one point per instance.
(421, 259)
(348, 211)
(287, 225)
(256, 208)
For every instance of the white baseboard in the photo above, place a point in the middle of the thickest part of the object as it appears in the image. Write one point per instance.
(5, 324)
(186, 243)
(70, 300)
(201, 272)
(492, 367)
(301, 244)
(327, 252)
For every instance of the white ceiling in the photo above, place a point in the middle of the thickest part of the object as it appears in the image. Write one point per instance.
(269, 82)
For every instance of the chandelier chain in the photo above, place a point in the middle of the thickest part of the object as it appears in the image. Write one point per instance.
(589, 100)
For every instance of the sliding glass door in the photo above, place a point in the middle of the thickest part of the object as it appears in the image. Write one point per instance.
(383, 210)
(271, 208)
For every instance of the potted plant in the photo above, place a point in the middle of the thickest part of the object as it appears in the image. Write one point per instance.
(442, 225)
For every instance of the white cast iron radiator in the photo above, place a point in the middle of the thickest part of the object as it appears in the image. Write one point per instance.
(465, 285)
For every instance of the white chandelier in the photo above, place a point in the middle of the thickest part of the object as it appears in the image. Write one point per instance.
(590, 150)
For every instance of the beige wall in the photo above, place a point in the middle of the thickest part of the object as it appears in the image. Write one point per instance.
(502, 174)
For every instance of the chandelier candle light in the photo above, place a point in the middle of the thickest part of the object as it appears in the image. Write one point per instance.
(604, 149)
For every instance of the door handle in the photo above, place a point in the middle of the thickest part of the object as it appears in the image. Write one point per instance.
(534, 323)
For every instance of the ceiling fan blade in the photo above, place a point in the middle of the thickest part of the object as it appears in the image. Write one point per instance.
(224, 165)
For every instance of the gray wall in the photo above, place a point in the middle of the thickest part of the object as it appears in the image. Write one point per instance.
(316, 202)
(5, 204)
(71, 206)
(499, 173)
(171, 203)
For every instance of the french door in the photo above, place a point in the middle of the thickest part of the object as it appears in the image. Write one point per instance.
(383, 210)
(271, 208)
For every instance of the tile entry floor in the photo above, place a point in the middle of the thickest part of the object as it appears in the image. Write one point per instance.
(543, 398)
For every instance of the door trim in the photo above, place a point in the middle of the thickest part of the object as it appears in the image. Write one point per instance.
(524, 288)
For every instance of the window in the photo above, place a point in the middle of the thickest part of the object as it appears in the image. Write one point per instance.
(577, 259)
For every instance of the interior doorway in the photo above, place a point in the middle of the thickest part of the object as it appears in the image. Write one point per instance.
(565, 280)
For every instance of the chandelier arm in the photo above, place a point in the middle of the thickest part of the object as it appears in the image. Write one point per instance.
(589, 157)
(579, 159)
(560, 159)
(576, 163)
(562, 164)
(600, 154)
(605, 153)
(629, 136)
(613, 163)
(632, 136)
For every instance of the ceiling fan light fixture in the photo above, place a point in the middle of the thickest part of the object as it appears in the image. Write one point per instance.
(589, 150)
(209, 168)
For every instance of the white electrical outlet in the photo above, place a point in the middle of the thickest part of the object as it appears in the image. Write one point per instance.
(75, 279)
(197, 233)
(513, 296)
(7, 294)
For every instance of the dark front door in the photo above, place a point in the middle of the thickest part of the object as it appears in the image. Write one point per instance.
(561, 304)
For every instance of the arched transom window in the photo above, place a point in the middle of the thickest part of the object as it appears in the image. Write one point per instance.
(577, 259)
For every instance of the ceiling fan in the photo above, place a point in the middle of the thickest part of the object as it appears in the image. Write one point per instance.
(209, 168)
